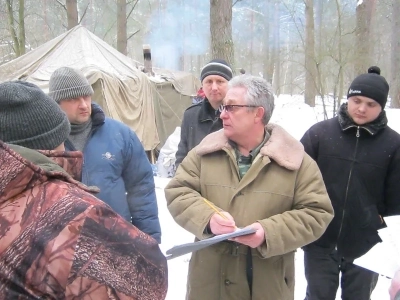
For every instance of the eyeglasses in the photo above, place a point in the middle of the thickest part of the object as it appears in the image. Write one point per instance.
(231, 107)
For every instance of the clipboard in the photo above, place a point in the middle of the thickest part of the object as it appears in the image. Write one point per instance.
(183, 249)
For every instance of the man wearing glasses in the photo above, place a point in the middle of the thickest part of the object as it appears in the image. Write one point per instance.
(258, 176)
(202, 118)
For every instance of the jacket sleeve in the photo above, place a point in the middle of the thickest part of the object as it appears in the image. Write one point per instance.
(392, 186)
(183, 147)
(112, 257)
(140, 188)
(310, 143)
(308, 219)
(184, 200)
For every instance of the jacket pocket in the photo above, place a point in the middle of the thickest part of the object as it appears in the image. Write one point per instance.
(369, 218)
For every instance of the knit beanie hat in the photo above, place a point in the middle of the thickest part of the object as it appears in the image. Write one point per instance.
(30, 118)
(216, 67)
(68, 83)
(371, 85)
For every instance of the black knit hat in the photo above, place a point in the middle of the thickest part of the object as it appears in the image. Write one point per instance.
(371, 85)
(217, 67)
(68, 83)
(30, 118)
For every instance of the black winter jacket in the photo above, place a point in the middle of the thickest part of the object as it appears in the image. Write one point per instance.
(361, 170)
(198, 120)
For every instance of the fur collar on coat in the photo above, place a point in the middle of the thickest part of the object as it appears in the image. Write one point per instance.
(281, 147)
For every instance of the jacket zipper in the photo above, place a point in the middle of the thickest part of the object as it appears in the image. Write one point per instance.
(348, 183)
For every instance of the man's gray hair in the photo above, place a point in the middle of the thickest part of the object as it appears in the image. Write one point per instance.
(258, 93)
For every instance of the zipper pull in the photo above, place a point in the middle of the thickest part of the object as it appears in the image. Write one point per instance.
(358, 132)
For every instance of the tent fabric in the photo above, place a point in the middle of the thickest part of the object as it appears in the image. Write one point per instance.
(150, 105)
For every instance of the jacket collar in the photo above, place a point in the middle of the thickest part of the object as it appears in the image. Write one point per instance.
(207, 112)
(98, 116)
(346, 122)
(70, 161)
(281, 147)
(25, 168)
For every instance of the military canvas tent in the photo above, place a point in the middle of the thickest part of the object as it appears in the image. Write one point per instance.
(151, 107)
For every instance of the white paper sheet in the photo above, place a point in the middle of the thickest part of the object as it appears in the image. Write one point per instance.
(384, 258)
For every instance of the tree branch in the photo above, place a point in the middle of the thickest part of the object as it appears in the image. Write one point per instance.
(84, 13)
(236, 2)
(108, 30)
(133, 7)
(62, 5)
(132, 34)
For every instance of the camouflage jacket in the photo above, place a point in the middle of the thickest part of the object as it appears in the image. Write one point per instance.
(58, 241)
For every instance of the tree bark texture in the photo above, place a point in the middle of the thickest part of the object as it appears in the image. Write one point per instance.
(364, 47)
(21, 32)
(310, 67)
(121, 27)
(11, 25)
(276, 53)
(395, 56)
(221, 30)
(72, 13)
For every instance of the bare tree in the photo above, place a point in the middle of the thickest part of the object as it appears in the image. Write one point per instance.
(72, 13)
(395, 58)
(275, 61)
(18, 36)
(221, 30)
(338, 86)
(310, 88)
(121, 27)
(364, 13)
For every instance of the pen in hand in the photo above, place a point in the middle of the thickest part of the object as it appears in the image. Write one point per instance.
(210, 204)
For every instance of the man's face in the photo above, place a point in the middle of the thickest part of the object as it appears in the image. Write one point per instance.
(215, 87)
(238, 122)
(78, 110)
(363, 109)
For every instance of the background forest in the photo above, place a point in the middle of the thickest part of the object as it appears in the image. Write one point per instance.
(308, 47)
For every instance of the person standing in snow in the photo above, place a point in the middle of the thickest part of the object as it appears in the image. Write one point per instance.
(259, 176)
(359, 157)
(57, 240)
(203, 118)
(115, 160)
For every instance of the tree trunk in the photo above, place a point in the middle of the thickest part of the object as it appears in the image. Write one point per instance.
(11, 24)
(221, 30)
(395, 57)
(276, 55)
(21, 17)
(72, 13)
(364, 46)
(340, 60)
(319, 9)
(310, 88)
(267, 74)
(121, 27)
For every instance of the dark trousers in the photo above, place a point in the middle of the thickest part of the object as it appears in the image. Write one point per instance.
(322, 271)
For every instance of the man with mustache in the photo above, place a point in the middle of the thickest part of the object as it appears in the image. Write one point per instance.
(57, 240)
(114, 158)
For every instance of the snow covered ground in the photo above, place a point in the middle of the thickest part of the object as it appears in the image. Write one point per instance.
(296, 117)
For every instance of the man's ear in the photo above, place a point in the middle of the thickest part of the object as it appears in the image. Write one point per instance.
(260, 112)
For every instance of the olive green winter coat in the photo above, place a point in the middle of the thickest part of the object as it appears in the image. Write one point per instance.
(283, 190)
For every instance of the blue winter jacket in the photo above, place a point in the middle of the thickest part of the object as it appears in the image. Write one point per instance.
(115, 161)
